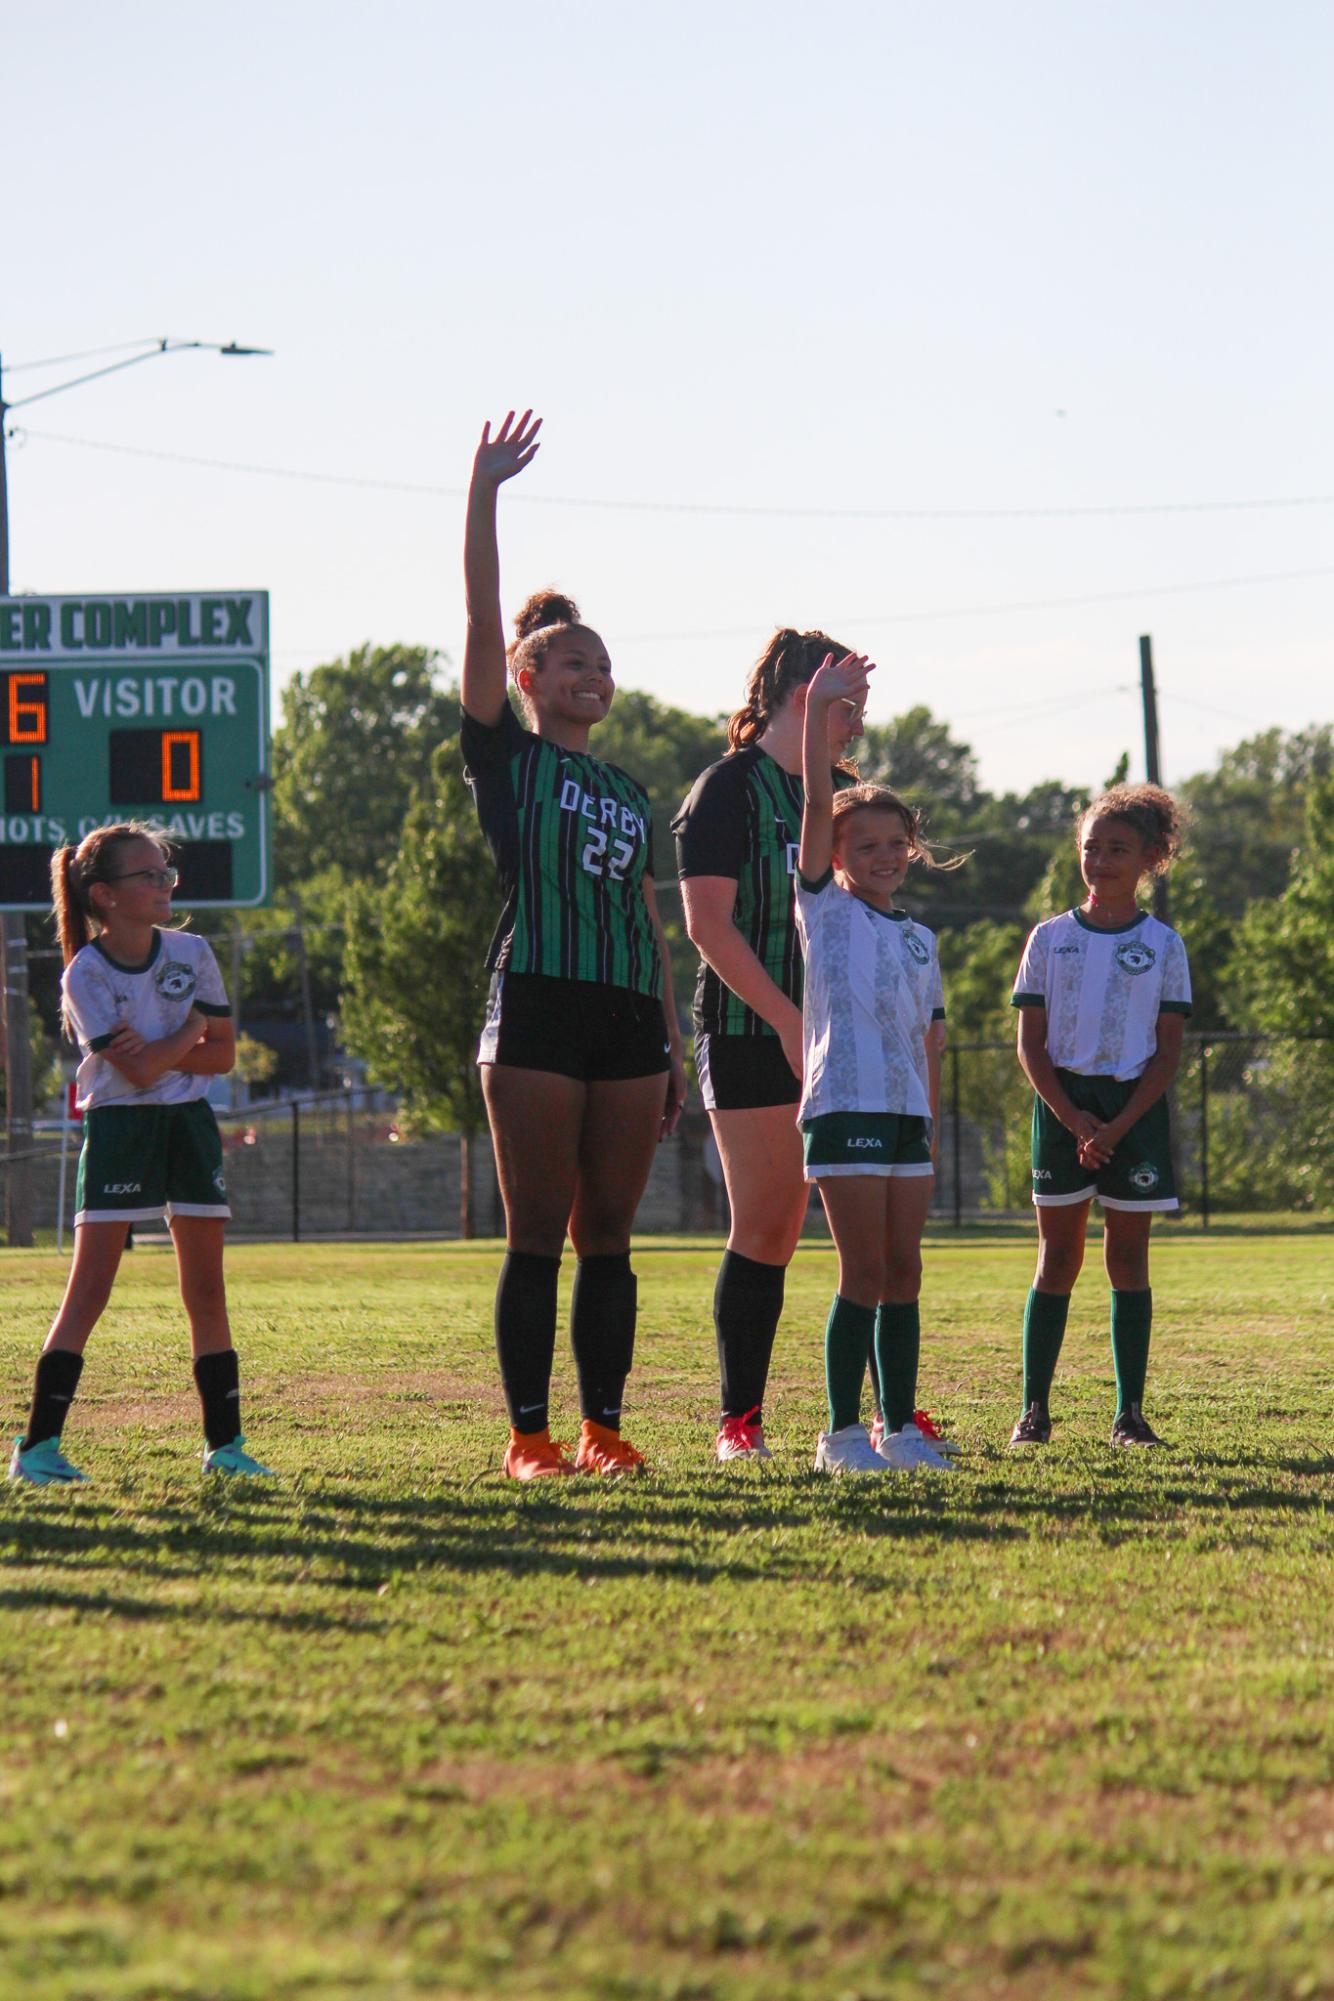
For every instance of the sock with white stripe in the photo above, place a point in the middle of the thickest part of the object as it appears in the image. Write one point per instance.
(602, 1334)
(218, 1380)
(526, 1335)
(58, 1372)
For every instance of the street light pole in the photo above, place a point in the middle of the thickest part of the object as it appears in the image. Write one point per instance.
(13, 933)
(14, 967)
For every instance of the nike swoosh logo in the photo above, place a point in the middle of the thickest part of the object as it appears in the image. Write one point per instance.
(524, 1408)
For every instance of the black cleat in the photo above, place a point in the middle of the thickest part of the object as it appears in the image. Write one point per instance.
(1033, 1428)
(1133, 1428)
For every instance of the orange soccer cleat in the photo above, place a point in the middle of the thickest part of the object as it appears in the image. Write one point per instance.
(535, 1455)
(602, 1450)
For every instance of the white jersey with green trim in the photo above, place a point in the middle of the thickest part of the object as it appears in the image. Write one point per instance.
(1103, 990)
(872, 992)
(102, 995)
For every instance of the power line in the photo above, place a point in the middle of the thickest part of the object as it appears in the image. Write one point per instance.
(83, 354)
(990, 610)
(367, 483)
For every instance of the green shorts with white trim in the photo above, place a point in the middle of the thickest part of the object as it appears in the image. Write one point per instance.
(1138, 1175)
(142, 1162)
(884, 1143)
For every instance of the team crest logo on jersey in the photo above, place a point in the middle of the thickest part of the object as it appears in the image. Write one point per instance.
(917, 947)
(1144, 1178)
(1135, 957)
(175, 980)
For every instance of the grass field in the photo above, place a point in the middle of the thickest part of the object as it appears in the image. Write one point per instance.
(1056, 1725)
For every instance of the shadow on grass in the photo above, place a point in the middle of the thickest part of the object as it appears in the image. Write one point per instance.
(46, 1598)
(343, 1539)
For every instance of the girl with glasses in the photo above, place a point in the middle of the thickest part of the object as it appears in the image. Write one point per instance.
(146, 1005)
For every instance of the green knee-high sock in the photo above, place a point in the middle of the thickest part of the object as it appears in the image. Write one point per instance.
(898, 1344)
(1132, 1323)
(877, 1394)
(1045, 1316)
(847, 1343)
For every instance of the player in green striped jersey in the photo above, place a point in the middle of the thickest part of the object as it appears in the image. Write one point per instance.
(737, 835)
(581, 1052)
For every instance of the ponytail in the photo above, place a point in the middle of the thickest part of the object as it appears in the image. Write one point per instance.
(789, 661)
(69, 900)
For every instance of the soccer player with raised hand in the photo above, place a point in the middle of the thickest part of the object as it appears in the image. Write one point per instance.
(870, 1084)
(145, 1003)
(1103, 992)
(736, 841)
(581, 1051)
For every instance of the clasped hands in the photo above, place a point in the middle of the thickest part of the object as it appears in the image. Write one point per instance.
(1097, 1142)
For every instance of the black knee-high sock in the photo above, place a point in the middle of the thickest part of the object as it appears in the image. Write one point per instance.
(602, 1334)
(58, 1372)
(747, 1306)
(526, 1335)
(218, 1380)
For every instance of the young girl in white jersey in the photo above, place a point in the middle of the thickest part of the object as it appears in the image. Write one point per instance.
(1103, 993)
(872, 1025)
(147, 1008)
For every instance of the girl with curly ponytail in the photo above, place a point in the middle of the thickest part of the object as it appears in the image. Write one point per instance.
(1103, 993)
(581, 1052)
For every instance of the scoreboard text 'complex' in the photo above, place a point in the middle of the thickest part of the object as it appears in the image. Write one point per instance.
(149, 708)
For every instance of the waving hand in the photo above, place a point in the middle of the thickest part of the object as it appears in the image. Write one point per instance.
(497, 459)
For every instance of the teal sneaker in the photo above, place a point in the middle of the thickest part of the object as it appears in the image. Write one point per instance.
(43, 1464)
(234, 1458)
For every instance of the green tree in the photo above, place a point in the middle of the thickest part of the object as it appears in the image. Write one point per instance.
(1281, 979)
(414, 974)
(982, 1074)
(1248, 812)
(354, 746)
(1008, 841)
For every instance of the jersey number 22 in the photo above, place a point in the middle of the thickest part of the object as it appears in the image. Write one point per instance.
(597, 861)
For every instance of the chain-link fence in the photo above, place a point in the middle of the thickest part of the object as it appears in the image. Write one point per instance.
(1253, 1129)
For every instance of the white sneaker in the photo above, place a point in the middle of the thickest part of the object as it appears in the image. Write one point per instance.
(847, 1451)
(909, 1451)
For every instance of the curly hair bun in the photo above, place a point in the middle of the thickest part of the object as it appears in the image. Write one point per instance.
(545, 608)
(1158, 818)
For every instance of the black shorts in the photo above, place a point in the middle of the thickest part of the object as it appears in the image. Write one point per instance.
(741, 1073)
(573, 1028)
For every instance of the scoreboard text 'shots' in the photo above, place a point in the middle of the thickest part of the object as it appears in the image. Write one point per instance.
(137, 708)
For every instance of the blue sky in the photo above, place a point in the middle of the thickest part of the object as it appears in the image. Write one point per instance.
(870, 304)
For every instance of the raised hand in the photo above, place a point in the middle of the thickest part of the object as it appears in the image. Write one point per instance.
(842, 680)
(499, 458)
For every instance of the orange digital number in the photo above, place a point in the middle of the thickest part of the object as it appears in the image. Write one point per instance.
(27, 719)
(178, 784)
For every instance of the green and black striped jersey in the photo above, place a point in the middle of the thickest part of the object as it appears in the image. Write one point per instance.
(742, 818)
(572, 838)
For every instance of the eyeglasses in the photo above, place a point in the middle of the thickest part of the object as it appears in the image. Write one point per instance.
(161, 878)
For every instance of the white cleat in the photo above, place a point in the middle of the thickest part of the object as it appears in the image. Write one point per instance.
(909, 1452)
(847, 1451)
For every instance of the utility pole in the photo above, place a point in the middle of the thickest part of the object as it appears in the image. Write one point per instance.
(14, 962)
(13, 931)
(1152, 765)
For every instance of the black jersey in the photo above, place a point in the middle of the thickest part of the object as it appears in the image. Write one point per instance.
(571, 838)
(742, 818)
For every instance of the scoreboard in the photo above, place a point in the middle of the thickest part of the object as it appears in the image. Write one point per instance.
(146, 708)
